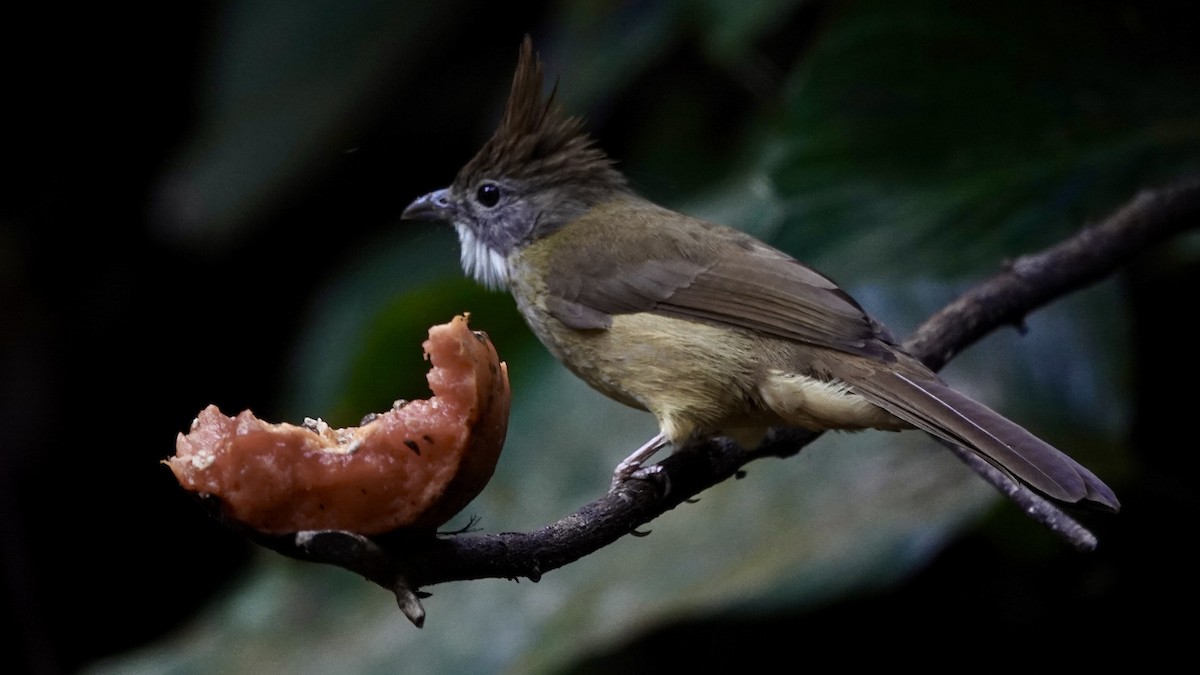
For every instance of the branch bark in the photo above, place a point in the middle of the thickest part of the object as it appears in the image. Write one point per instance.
(405, 565)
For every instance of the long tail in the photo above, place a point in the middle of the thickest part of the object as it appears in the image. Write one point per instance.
(937, 409)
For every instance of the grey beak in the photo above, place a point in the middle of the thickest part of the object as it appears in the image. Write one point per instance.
(433, 207)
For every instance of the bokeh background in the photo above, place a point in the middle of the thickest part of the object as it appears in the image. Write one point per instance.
(201, 206)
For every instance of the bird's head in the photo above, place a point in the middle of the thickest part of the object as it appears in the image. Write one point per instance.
(537, 172)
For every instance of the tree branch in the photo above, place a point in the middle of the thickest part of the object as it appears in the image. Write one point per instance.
(404, 565)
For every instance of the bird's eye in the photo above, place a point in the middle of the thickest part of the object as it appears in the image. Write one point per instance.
(488, 195)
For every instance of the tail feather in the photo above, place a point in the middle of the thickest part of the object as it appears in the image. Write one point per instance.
(937, 409)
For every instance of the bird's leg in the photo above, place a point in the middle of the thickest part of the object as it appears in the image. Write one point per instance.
(633, 464)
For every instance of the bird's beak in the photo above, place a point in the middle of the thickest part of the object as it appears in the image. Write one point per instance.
(433, 207)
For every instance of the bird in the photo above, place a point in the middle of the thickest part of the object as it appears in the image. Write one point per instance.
(709, 329)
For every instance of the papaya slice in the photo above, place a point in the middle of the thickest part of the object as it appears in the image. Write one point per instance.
(410, 468)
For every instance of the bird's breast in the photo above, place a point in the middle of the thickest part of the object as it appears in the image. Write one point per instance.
(689, 375)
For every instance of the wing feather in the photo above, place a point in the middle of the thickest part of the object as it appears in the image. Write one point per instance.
(743, 284)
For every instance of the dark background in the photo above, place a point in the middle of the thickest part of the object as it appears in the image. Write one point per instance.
(116, 329)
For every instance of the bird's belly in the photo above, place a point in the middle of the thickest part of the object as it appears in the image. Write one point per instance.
(691, 376)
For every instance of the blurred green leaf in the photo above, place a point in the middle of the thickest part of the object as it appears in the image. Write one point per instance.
(929, 127)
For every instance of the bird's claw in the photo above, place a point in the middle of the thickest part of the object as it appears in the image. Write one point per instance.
(631, 466)
(635, 471)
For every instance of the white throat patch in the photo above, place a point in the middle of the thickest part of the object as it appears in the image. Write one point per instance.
(481, 261)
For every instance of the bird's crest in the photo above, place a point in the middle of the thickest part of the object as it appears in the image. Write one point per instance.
(536, 141)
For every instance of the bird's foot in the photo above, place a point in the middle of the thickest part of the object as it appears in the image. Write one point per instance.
(654, 473)
(631, 467)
